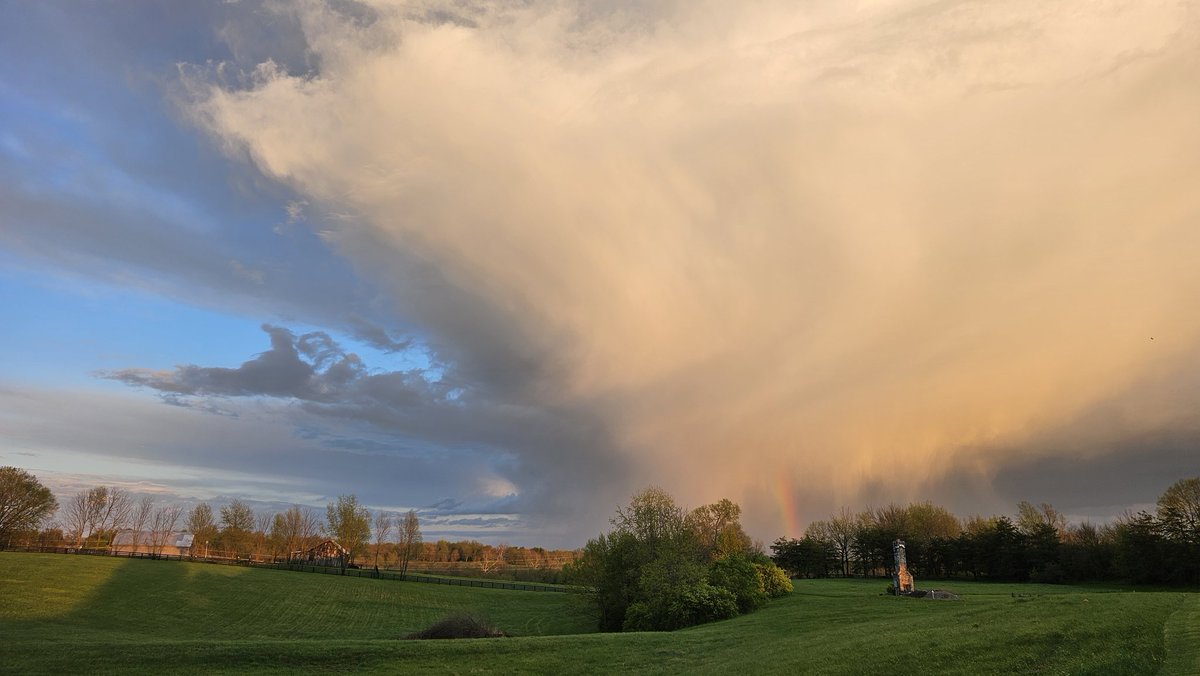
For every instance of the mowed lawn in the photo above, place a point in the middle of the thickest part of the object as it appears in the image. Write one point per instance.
(70, 613)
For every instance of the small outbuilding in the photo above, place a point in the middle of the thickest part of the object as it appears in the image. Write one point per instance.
(170, 543)
(327, 553)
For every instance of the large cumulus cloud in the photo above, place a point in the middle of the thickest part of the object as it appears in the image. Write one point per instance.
(838, 246)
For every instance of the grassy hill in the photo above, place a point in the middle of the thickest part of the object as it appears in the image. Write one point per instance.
(60, 613)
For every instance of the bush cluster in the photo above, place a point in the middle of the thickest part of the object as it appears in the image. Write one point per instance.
(661, 570)
(459, 626)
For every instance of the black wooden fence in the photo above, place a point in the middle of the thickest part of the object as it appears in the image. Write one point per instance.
(384, 574)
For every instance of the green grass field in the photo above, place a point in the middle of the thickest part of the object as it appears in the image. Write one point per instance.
(71, 613)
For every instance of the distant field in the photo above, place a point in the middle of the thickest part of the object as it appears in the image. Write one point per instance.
(70, 613)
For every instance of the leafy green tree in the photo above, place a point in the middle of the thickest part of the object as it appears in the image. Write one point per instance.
(737, 574)
(718, 529)
(652, 517)
(1003, 551)
(608, 572)
(25, 504)
(806, 557)
(656, 571)
(675, 594)
(1042, 553)
(650, 553)
(873, 548)
(350, 524)
(925, 521)
(1087, 553)
(1140, 548)
(785, 554)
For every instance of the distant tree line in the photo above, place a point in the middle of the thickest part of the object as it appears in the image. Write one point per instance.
(382, 538)
(1039, 546)
(662, 568)
(93, 518)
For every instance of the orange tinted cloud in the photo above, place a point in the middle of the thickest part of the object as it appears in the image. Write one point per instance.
(757, 241)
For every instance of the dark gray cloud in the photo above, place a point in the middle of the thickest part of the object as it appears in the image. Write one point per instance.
(309, 367)
(405, 417)
(482, 522)
(444, 506)
(257, 454)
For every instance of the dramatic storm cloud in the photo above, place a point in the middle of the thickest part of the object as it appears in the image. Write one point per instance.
(509, 262)
(819, 250)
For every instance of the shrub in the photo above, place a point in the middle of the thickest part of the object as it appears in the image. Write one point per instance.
(736, 574)
(656, 571)
(681, 606)
(774, 581)
(703, 602)
(459, 626)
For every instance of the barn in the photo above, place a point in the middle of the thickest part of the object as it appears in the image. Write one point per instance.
(327, 553)
(172, 543)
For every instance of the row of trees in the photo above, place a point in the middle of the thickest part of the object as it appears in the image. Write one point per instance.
(488, 557)
(93, 518)
(1039, 545)
(240, 533)
(662, 568)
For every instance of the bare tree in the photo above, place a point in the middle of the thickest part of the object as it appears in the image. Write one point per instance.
(113, 510)
(410, 539)
(99, 511)
(262, 529)
(1030, 518)
(77, 516)
(238, 532)
(842, 527)
(1179, 511)
(294, 529)
(493, 557)
(165, 519)
(140, 517)
(381, 528)
(97, 499)
(310, 528)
